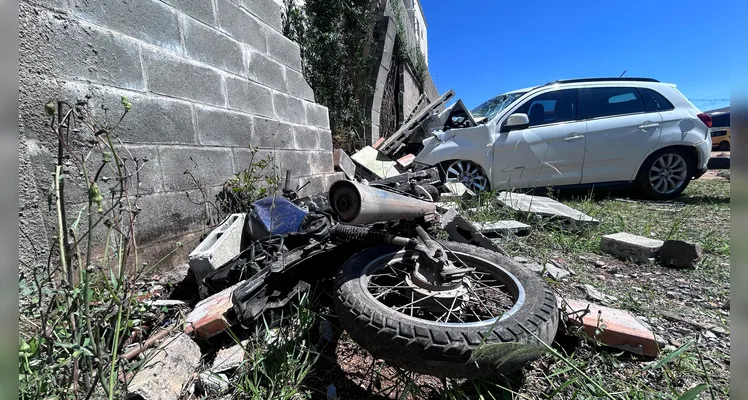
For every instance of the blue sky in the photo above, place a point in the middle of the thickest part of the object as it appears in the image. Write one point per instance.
(481, 48)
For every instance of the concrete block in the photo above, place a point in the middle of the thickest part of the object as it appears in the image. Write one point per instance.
(199, 9)
(229, 358)
(267, 10)
(406, 160)
(249, 97)
(316, 115)
(548, 270)
(298, 86)
(152, 119)
(298, 162)
(548, 208)
(209, 317)
(320, 162)
(680, 254)
(265, 71)
(221, 245)
(149, 172)
(219, 127)
(317, 184)
(273, 134)
(284, 50)
(168, 370)
(213, 47)
(149, 20)
(621, 329)
(305, 138)
(177, 77)
(325, 139)
(627, 246)
(210, 166)
(289, 109)
(460, 190)
(243, 158)
(503, 228)
(461, 230)
(241, 26)
(343, 163)
(99, 55)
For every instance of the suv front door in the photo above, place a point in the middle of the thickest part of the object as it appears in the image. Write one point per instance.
(549, 152)
(620, 132)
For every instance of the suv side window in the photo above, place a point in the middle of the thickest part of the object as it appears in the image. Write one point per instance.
(654, 101)
(551, 107)
(610, 101)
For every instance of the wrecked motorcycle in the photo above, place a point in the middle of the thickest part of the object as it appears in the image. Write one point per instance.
(418, 303)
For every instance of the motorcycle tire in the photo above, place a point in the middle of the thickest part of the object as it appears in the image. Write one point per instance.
(446, 349)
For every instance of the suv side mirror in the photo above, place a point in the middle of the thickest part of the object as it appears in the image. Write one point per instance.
(516, 121)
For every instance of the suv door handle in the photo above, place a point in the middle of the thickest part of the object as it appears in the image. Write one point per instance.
(572, 138)
(649, 125)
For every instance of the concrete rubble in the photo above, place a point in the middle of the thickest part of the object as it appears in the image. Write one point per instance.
(680, 254)
(209, 317)
(229, 358)
(168, 370)
(503, 228)
(627, 246)
(342, 162)
(547, 208)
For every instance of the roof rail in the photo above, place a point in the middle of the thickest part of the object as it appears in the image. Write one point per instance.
(601, 80)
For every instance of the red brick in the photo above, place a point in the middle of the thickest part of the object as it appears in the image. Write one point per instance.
(406, 160)
(620, 328)
(208, 318)
(378, 143)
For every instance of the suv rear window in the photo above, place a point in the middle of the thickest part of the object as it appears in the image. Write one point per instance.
(654, 101)
(721, 120)
(609, 101)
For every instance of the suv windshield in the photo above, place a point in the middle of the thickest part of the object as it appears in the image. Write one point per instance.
(493, 106)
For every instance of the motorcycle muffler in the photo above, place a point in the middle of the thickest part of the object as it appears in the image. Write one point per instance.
(360, 204)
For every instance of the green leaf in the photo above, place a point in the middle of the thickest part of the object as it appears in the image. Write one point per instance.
(693, 392)
(670, 357)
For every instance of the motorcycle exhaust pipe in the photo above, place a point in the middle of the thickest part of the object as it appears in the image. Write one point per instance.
(358, 204)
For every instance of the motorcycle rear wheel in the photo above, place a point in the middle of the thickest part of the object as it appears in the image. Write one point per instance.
(377, 313)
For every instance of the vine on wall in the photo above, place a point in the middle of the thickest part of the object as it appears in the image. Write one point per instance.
(333, 36)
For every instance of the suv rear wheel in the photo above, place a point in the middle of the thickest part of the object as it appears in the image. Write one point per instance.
(666, 173)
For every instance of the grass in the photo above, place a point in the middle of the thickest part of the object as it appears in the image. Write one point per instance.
(305, 366)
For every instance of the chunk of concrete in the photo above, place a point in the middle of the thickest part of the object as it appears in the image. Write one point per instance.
(461, 230)
(343, 163)
(594, 294)
(222, 244)
(548, 208)
(627, 246)
(677, 253)
(209, 317)
(460, 190)
(229, 358)
(406, 160)
(168, 369)
(503, 228)
(618, 328)
(377, 163)
(213, 383)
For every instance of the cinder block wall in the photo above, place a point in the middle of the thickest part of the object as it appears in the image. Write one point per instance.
(206, 78)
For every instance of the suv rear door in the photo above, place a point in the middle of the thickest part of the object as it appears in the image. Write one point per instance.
(620, 131)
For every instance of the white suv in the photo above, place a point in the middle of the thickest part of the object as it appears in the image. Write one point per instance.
(591, 132)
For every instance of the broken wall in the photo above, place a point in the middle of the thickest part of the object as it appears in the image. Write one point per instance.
(205, 79)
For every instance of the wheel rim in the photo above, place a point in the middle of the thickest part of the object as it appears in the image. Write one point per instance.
(469, 174)
(488, 293)
(668, 173)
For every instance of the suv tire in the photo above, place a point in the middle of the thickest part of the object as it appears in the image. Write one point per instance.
(666, 173)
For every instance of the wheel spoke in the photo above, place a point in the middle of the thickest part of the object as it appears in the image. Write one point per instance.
(654, 178)
(452, 171)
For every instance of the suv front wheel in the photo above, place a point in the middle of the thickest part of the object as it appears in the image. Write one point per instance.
(666, 174)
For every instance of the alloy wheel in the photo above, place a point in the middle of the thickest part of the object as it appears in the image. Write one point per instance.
(469, 174)
(668, 173)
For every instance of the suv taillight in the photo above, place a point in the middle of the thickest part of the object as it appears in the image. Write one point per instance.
(706, 119)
